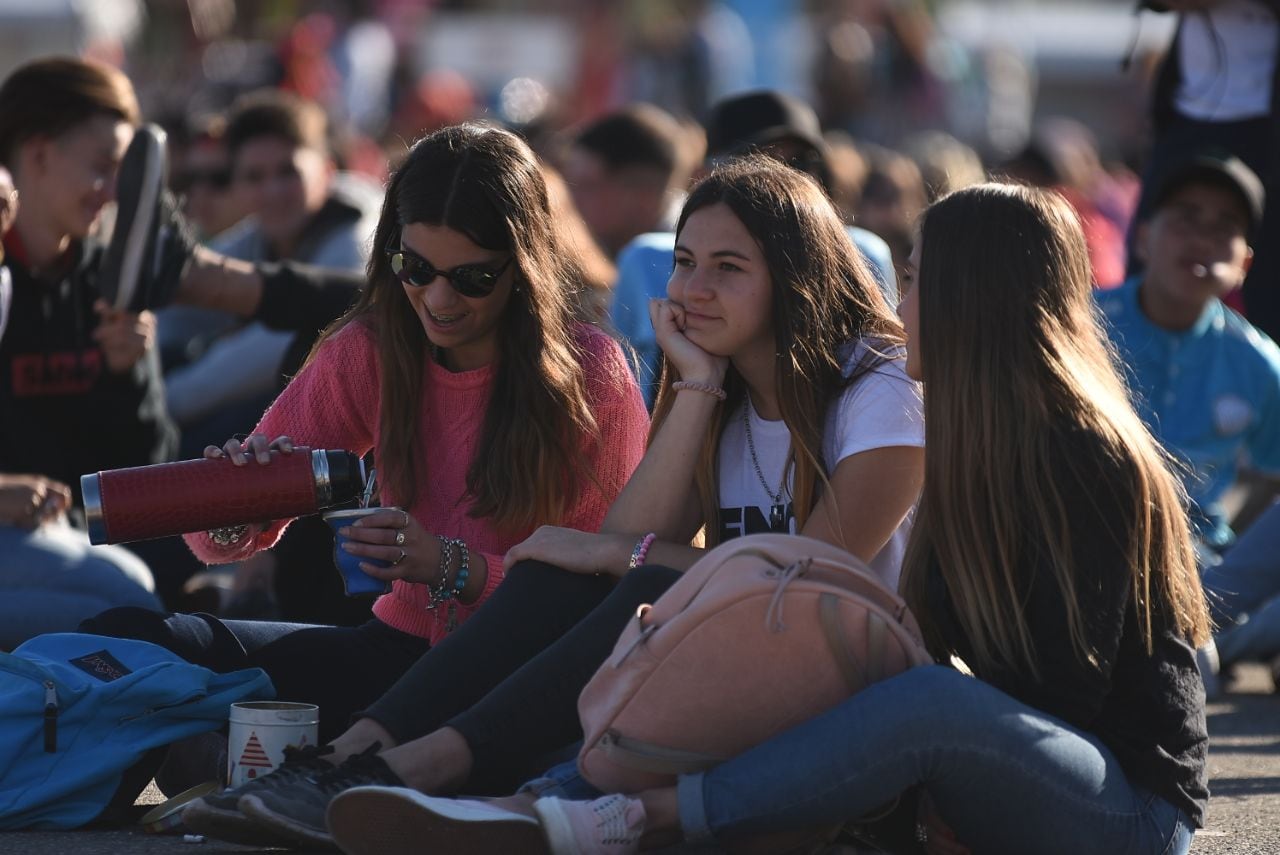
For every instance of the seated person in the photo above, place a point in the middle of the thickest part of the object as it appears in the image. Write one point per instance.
(826, 443)
(769, 122)
(1204, 380)
(283, 173)
(80, 386)
(1051, 554)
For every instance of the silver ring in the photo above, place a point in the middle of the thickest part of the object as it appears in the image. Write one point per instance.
(396, 563)
(400, 538)
(922, 833)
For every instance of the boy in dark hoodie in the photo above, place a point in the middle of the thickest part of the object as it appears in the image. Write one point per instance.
(79, 386)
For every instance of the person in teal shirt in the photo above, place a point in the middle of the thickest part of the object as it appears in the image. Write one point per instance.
(1206, 382)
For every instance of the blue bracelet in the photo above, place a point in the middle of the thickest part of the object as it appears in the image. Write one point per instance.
(464, 568)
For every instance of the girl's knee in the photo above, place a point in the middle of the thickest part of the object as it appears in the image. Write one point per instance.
(125, 622)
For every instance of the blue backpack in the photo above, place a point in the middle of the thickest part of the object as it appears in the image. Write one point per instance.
(77, 710)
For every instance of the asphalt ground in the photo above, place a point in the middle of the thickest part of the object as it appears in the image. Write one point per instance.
(1244, 810)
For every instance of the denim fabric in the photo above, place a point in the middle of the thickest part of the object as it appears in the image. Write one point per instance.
(1244, 592)
(51, 578)
(1005, 776)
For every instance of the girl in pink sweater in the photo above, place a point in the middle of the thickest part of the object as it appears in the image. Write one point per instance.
(490, 408)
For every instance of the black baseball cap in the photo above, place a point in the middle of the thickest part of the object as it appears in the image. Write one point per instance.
(759, 118)
(1220, 169)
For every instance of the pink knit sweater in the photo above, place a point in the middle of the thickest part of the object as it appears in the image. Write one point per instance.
(333, 403)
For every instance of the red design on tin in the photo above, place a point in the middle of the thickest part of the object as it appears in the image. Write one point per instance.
(254, 756)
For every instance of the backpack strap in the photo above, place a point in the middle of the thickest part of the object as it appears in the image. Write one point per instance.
(855, 676)
(858, 675)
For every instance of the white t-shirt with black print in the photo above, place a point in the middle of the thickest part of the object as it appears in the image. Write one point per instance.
(881, 409)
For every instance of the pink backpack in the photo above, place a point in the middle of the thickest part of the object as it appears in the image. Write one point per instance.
(760, 634)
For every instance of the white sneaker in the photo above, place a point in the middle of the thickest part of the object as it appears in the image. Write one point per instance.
(611, 825)
(401, 821)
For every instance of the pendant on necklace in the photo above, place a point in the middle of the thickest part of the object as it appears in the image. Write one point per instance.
(775, 517)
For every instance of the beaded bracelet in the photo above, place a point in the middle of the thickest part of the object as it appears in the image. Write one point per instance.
(714, 391)
(439, 592)
(641, 550)
(464, 568)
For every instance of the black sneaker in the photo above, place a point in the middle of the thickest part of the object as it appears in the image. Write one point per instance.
(151, 243)
(218, 815)
(297, 810)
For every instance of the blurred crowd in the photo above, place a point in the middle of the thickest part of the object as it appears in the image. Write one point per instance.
(284, 118)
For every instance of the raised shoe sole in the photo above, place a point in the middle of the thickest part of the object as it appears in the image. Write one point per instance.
(399, 821)
(230, 825)
(136, 208)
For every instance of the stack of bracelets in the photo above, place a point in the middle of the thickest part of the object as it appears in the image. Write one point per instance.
(442, 591)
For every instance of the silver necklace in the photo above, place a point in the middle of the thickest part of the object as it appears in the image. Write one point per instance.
(776, 507)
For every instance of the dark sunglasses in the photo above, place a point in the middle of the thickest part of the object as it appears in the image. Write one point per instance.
(468, 280)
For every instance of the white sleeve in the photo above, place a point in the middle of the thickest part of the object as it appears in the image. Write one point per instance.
(882, 409)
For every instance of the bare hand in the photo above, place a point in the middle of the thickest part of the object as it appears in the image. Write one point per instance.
(394, 536)
(573, 550)
(941, 839)
(123, 336)
(693, 363)
(257, 445)
(27, 501)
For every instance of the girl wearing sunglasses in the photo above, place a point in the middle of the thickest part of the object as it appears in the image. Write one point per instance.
(784, 407)
(491, 409)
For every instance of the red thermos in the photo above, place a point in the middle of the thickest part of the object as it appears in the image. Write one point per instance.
(145, 502)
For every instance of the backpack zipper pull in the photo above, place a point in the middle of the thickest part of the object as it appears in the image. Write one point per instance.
(50, 717)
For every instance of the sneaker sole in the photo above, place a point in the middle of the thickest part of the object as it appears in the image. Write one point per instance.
(144, 214)
(229, 825)
(277, 823)
(392, 821)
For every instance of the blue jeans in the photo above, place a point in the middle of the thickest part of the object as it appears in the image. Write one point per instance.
(1244, 592)
(51, 578)
(1005, 776)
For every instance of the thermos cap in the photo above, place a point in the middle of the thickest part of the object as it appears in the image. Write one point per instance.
(93, 508)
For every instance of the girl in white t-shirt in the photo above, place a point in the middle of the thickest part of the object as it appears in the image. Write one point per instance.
(783, 406)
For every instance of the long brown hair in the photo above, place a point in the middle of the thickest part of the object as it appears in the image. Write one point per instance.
(485, 183)
(1013, 358)
(824, 299)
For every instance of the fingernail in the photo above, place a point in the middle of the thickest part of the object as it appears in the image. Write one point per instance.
(345, 531)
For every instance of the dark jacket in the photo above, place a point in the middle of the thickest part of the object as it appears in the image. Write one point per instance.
(63, 414)
(1148, 709)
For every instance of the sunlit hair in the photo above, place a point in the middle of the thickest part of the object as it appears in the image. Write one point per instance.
(824, 298)
(485, 183)
(51, 96)
(1013, 358)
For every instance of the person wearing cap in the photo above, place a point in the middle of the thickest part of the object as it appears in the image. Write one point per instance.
(771, 122)
(1205, 381)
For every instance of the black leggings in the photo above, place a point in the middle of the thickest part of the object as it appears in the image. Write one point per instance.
(340, 669)
(511, 724)
(345, 669)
